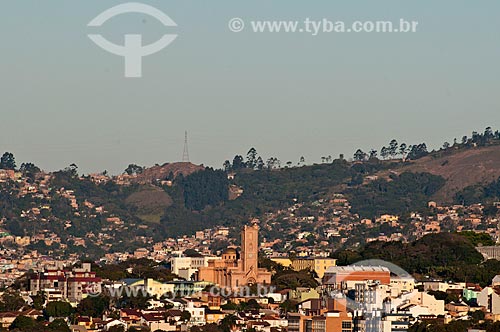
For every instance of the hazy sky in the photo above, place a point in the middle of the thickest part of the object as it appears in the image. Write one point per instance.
(64, 100)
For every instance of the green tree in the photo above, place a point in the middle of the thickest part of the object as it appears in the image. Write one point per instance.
(290, 279)
(93, 306)
(117, 328)
(251, 158)
(229, 306)
(476, 315)
(38, 300)
(253, 304)
(227, 166)
(478, 238)
(136, 329)
(418, 151)
(288, 306)
(185, 316)
(238, 163)
(59, 325)
(403, 149)
(134, 169)
(58, 309)
(203, 188)
(384, 152)
(228, 323)
(29, 169)
(359, 155)
(192, 253)
(7, 161)
(393, 148)
(11, 301)
(260, 163)
(23, 323)
(495, 327)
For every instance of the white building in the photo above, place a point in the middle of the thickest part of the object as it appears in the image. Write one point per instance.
(402, 284)
(423, 304)
(442, 286)
(197, 314)
(490, 299)
(186, 267)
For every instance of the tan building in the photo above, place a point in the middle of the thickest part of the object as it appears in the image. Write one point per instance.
(231, 271)
(318, 265)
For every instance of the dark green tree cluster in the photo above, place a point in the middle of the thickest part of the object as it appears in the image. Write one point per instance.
(286, 278)
(479, 193)
(418, 151)
(205, 188)
(58, 309)
(404, 193)
(482, 139)
(134, 169)
(263, 192)
(253, 162)
(29, 169)
(392, 151)
(93, 306)
(477, 239)
(28, 324)
(11, 301)
(142, 268)
(8, 161)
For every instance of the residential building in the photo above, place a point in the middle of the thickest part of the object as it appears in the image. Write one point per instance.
(72, 285)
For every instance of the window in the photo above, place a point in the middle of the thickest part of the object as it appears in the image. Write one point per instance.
(346, 324)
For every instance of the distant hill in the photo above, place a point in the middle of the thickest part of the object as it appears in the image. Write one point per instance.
(460, 168)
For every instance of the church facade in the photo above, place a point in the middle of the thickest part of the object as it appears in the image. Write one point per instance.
(233, 272)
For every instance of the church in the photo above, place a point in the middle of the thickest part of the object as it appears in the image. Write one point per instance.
(233, 272)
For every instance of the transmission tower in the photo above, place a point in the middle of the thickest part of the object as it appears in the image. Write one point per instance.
(185, 154)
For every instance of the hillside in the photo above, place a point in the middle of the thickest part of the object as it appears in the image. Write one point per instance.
(163, 171)
(150, 203)
(460, 168)
(63, 211)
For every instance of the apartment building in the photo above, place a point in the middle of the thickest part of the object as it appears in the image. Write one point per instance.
(59, 284)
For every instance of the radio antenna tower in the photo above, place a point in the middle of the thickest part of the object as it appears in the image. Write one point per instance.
(185, 154)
